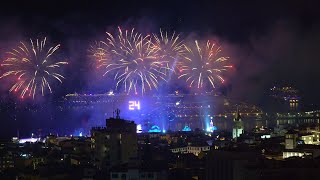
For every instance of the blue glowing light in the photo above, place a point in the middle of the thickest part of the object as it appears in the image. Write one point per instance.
(81, 132)
(154, 128)
(186, 128)
(211, 129)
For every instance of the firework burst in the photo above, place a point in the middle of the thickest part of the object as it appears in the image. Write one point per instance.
(203, 65)
(134, 62)
(98, 51)
(32, 66)
(170, 49)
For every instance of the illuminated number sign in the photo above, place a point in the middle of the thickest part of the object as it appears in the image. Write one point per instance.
(134, 105)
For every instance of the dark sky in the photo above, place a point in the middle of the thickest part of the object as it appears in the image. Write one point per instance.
(270, 42)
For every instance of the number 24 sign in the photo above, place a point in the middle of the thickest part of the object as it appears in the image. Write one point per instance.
(134, 105)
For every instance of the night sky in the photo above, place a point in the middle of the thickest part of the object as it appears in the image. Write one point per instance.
(269, 42)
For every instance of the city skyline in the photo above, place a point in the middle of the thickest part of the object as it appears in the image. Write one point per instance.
(157, 90)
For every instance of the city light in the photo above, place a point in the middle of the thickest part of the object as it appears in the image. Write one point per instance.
(30, 140)
(110, 93)
(139, 128)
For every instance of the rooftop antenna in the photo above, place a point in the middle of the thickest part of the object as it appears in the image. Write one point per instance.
(117, 113)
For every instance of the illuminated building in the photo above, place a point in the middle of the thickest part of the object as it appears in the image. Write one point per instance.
(293, 103)
(291, 140)
(316, 137)
(307, 139)
(304, 150)
(237, 127)
(294, 148)
(297, 118)
(116, 143)
(194, 149)
(296, 153)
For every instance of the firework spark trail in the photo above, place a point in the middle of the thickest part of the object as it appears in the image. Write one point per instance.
(203, 63)
(32, 65)
(133, 61)
(170, 49)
